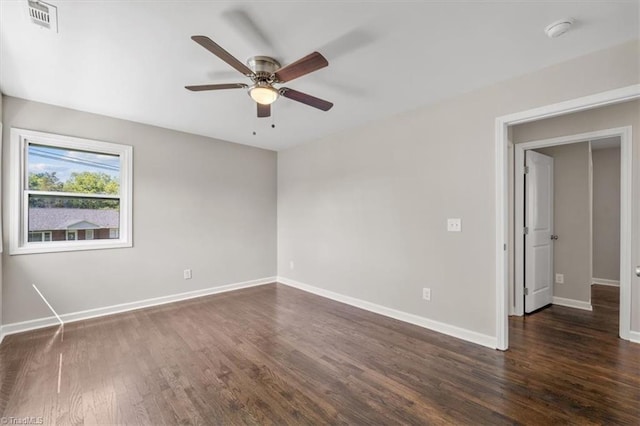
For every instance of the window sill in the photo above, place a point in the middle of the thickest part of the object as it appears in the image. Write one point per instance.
(39, 248)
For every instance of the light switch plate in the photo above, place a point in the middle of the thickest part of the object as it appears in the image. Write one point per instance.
(454, 224)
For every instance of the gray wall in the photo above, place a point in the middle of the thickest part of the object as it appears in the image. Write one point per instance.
(572, 219)
(620, 115)
(197, 203)
(363, 212)
(606, 214)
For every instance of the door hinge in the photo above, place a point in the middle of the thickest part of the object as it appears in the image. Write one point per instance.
(505, 247)
(525, 231)
(526, 170)
(526, 291)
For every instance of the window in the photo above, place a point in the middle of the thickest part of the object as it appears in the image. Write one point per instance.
(68, 193)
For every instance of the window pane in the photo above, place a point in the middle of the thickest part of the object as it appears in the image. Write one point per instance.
(68, 170)
(53, 218)
(35, 237)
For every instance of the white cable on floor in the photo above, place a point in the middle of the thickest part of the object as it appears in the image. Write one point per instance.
(52, 310)
(62, 336)
(60, 372)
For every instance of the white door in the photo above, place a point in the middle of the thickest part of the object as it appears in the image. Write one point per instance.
(538, 245)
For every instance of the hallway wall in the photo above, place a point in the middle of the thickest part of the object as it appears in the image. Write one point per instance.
(606, 214)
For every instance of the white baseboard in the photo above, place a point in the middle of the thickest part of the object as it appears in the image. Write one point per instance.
(634, 336)
(20, 327)
(440, 327)
(572, 303)
(604, 281)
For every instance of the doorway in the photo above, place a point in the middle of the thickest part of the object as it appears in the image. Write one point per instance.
(569, 209)
(503, 247)
(520, 153)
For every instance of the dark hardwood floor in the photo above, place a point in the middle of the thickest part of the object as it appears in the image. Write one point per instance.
(276, 355)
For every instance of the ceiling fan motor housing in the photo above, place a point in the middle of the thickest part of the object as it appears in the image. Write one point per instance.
(264, 67)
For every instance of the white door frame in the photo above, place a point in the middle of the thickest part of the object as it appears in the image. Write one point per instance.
(626, 143)
(501, 187)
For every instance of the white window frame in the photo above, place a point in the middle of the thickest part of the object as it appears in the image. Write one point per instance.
(73, 232)
(88, 232)
(18, 178)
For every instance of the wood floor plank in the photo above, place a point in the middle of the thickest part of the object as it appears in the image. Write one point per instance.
(276, 355)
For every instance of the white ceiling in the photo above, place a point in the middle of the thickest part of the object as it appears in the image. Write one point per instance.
(132, 59)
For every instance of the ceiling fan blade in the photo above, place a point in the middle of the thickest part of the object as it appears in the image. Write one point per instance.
(306, 99)
(264, 110)
(212, 47)
(202, 87)
(310, 63)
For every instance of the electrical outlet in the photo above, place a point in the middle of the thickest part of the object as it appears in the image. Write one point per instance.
(454, 224)
(559, 278)
(187, 274)
(426, 293)
(291, 265)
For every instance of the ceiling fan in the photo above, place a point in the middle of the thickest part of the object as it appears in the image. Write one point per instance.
(265, 72)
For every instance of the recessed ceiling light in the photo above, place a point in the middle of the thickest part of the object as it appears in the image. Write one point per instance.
(557, 28)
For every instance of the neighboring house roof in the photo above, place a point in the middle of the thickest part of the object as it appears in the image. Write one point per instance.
(46, 219)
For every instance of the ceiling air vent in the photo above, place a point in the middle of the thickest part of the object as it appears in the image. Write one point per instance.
(43, 15)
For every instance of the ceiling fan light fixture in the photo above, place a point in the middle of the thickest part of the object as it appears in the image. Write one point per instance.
(263, 93)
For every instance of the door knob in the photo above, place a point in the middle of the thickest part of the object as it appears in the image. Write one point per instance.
(554, 237)
(638, 271)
